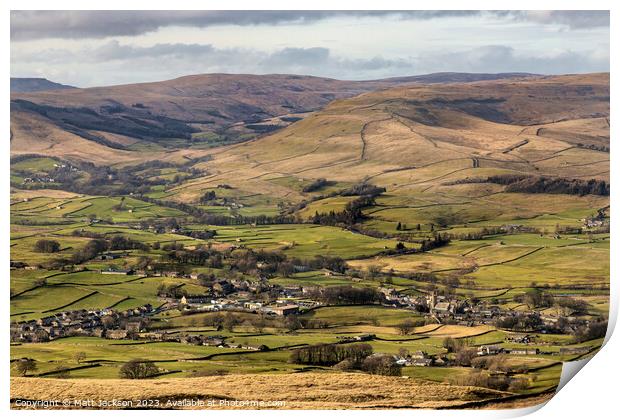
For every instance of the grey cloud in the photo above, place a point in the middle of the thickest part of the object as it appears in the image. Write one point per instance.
(28, 25)
(571, 18)
(299, 56)
(115, 51)
(283, 60)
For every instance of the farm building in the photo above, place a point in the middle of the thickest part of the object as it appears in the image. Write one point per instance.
(116, 334)
(116, 271)
(284, 310)
(490, 349)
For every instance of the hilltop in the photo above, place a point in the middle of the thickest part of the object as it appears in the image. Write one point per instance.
(35, 84)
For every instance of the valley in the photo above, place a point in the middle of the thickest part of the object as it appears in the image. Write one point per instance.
(430, 242)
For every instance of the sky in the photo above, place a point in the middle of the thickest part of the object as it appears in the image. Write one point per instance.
(98, 48)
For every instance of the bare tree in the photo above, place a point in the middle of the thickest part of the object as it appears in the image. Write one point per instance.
(79, 357)
(138, 369)
(23, 366)
(405, 327)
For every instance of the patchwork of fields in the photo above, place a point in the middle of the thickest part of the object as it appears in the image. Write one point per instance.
(465, 256)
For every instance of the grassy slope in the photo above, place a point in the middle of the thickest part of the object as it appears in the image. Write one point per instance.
(301, 391)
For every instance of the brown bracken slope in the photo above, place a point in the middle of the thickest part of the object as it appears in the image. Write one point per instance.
(298, 391)
(171, 113)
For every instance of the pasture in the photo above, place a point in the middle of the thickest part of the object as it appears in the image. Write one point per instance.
(85, 290)
(303, 240)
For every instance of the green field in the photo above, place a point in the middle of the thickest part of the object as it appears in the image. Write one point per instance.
(86, 290)
(303, 241)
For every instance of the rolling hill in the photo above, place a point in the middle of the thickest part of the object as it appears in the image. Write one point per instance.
(432, 146)
(423, 137)
(194, 111)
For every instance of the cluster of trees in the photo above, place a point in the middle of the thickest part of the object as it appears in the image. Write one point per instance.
(568, 230)
(533, 184)
(138, 369)
(498, 363)
(466, 355)
(202, 256)
(90, 251)
(362, 189)
(205, 234)
(437, 241)
(317, 184)
(521, 322)
(426, 244)
(208, 197)
(347, 357)
(46, 246)
(454, 345)
(593, 331)
(542, 185)
(407, 326)
(535, 298)
(593, 147)
(346, 295)
(381, 365)
(120, 242)
(468, 180)
(330, 354)
(332, 263)
(351, 214)
(97, 246)
(249, 261)
(569, 305)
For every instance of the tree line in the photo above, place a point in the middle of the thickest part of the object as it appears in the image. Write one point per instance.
(546, 185)
(520, 183)
(346, 357)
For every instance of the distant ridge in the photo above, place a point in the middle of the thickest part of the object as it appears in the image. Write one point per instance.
(35, 84)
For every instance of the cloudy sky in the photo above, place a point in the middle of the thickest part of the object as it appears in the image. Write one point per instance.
(95, 48)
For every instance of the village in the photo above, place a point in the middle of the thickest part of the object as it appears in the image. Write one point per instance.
(285, 303)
